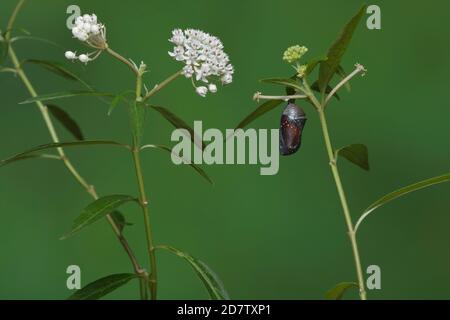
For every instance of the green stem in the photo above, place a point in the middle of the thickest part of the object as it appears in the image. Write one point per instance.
(54, 136)
(320, 107)
(123, 60)
(342, 197)
(148, 229)
(160, 86)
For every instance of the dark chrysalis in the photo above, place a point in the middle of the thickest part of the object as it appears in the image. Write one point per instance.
(292, 123)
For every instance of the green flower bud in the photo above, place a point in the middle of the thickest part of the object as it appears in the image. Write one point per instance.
(294, 53)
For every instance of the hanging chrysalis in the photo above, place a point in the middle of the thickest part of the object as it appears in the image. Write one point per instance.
(292, 122)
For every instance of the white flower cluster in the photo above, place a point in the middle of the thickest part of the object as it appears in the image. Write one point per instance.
(86, 26)
(203, 57)
(87, 29)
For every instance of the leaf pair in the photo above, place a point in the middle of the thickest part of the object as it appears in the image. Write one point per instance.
(106, 285)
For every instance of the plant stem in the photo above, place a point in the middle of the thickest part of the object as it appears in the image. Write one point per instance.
(148, 229)
(54, 136)
(342, 197)
(138, 165)
(162, 85)
(123, 60)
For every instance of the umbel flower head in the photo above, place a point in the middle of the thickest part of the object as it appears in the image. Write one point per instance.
(294, 54)
(90, 31)
(204, 59)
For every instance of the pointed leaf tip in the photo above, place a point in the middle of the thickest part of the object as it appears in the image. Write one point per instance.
(97, 210)
(101, 287)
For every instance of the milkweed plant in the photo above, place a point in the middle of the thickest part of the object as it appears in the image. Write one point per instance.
(205, 65)
(319, 94)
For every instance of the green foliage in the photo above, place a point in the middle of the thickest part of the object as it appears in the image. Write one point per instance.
(178, 123)
(285, 82)
(67, 94)
(97, 210)
(329, 67)
(32, 151)
(199, 170)
(137, 118)
(338, 291)
(401, 192)
(209, 278)
(261, 110)
(101, 287)
(355, 153)
(66, 120)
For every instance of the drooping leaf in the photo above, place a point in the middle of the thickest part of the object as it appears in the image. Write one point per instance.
(355, 153)
(336, 52)
(199, 170)
(97, 210)
(120, 220)
(312, 64)
(338, 291)
(59, 145)
(38, 156)
(68, 94)
(211, 281)
(43, 40)
(315, 87)
(55, 68)
(401, 192)
(178, 123)
(284, 82)
(66, 120)
(101, 287)
(261, 110)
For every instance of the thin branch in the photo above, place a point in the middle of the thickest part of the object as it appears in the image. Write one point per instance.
(358, 69)
(258, 96)
(158, 87)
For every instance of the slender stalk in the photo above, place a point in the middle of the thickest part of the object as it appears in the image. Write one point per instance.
(343, 199)
(123, 60)
(54, 136)
(148, 229)
(158, 87)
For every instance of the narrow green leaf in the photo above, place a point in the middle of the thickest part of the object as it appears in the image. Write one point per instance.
(54, 67)
(31, 151)
(261, 110)
(312, 64)
(199, 170)
(101, 287)
(37, 156)
(97, 210)
(178, 123)
(315, 87)
(336, 52)
(284, 82)
(211, 281)
(401, 192)
(120, 220)
(68, 94)
(338, 291)
(66, 120)
(43, 40)
(355, 153)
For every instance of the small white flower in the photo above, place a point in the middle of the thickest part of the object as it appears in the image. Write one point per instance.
(84, 58)
(89, 30)
(202, 91)
(212, 88)
(203, 57)
(71, 55)
(227, 78)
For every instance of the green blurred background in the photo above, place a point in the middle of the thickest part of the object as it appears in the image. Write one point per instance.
(268, 237)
